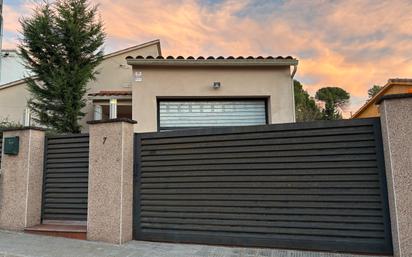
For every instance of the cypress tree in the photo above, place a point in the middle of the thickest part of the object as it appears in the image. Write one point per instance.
(61, 45)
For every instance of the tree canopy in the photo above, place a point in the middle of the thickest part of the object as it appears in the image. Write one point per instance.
(305, 105)
(374, 90)
(335, 98)
(61, 45)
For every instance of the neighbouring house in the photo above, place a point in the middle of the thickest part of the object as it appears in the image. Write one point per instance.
(11, 67)
(164, 93)
(394, 86)
(114, 74)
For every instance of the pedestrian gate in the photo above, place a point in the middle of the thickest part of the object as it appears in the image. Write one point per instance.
(66, 177)
(317, 185)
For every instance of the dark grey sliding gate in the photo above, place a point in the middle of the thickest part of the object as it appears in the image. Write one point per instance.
(66, 177)
(318, 185)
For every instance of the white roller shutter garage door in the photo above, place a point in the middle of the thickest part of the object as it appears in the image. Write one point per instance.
(179, 114)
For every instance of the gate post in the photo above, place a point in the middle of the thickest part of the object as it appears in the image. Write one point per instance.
(21, 179)
(110, 193)
(396, 120)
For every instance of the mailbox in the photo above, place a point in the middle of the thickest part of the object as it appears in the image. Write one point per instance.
(11, 145)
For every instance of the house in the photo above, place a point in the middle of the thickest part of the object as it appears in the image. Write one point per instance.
(11, 66)
(164, 93)
(394, 86)
(114, 74)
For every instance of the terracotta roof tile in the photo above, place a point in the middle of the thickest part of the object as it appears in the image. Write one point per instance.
(170, 57)
(213, 61)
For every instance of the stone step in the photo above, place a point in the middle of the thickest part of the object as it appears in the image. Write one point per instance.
(74, 230)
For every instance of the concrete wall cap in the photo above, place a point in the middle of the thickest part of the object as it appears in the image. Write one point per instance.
(112, 121)
(393, 96)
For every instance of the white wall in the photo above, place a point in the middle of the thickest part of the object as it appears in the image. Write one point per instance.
(12, 67)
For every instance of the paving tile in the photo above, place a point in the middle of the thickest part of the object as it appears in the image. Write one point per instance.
(16, 244)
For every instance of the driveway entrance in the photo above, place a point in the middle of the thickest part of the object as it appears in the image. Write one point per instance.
(311, 186)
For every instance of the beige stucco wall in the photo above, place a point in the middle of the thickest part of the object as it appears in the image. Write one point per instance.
(114, 74)
(13, 101)
(179, 82)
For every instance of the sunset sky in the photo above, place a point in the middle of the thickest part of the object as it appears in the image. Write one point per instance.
(350, 44)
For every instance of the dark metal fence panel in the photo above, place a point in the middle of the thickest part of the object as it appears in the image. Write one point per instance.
(317, 185)
(66, 177)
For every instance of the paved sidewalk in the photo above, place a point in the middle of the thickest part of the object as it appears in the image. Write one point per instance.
(16, 244)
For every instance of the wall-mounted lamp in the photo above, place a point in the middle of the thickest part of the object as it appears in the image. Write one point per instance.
(216, 85)
(138, 76)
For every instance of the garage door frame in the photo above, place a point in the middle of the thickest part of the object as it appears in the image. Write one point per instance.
(179, 99)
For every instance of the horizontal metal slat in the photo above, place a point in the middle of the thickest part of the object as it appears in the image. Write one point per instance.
(67, 170)
(71, 140)
(251, 178)
(154, 156)
(262, 198)
(261, 135)
(71, 180)
(58, 216)
(69, 155)
(65, 190)
(68, 160)
(66, 199)
(65, 211)
(274, 185)
(82, 146)
(66, 206)
(67, 165)
(262, 191)
(273, 210)
(290, 231)
(269, 217)
(68, 150)
(68, 194)
(255, 142)
(264, 204)
(268, 166)
(258, 172)
(235, 160)
(62, 184)
(265, 223)
(261, 148)
(65, 175)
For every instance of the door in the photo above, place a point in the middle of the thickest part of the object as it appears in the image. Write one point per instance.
(184, 114)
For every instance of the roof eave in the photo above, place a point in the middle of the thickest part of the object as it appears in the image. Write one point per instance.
(133, 48)
(213, 63)
(370, 102)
